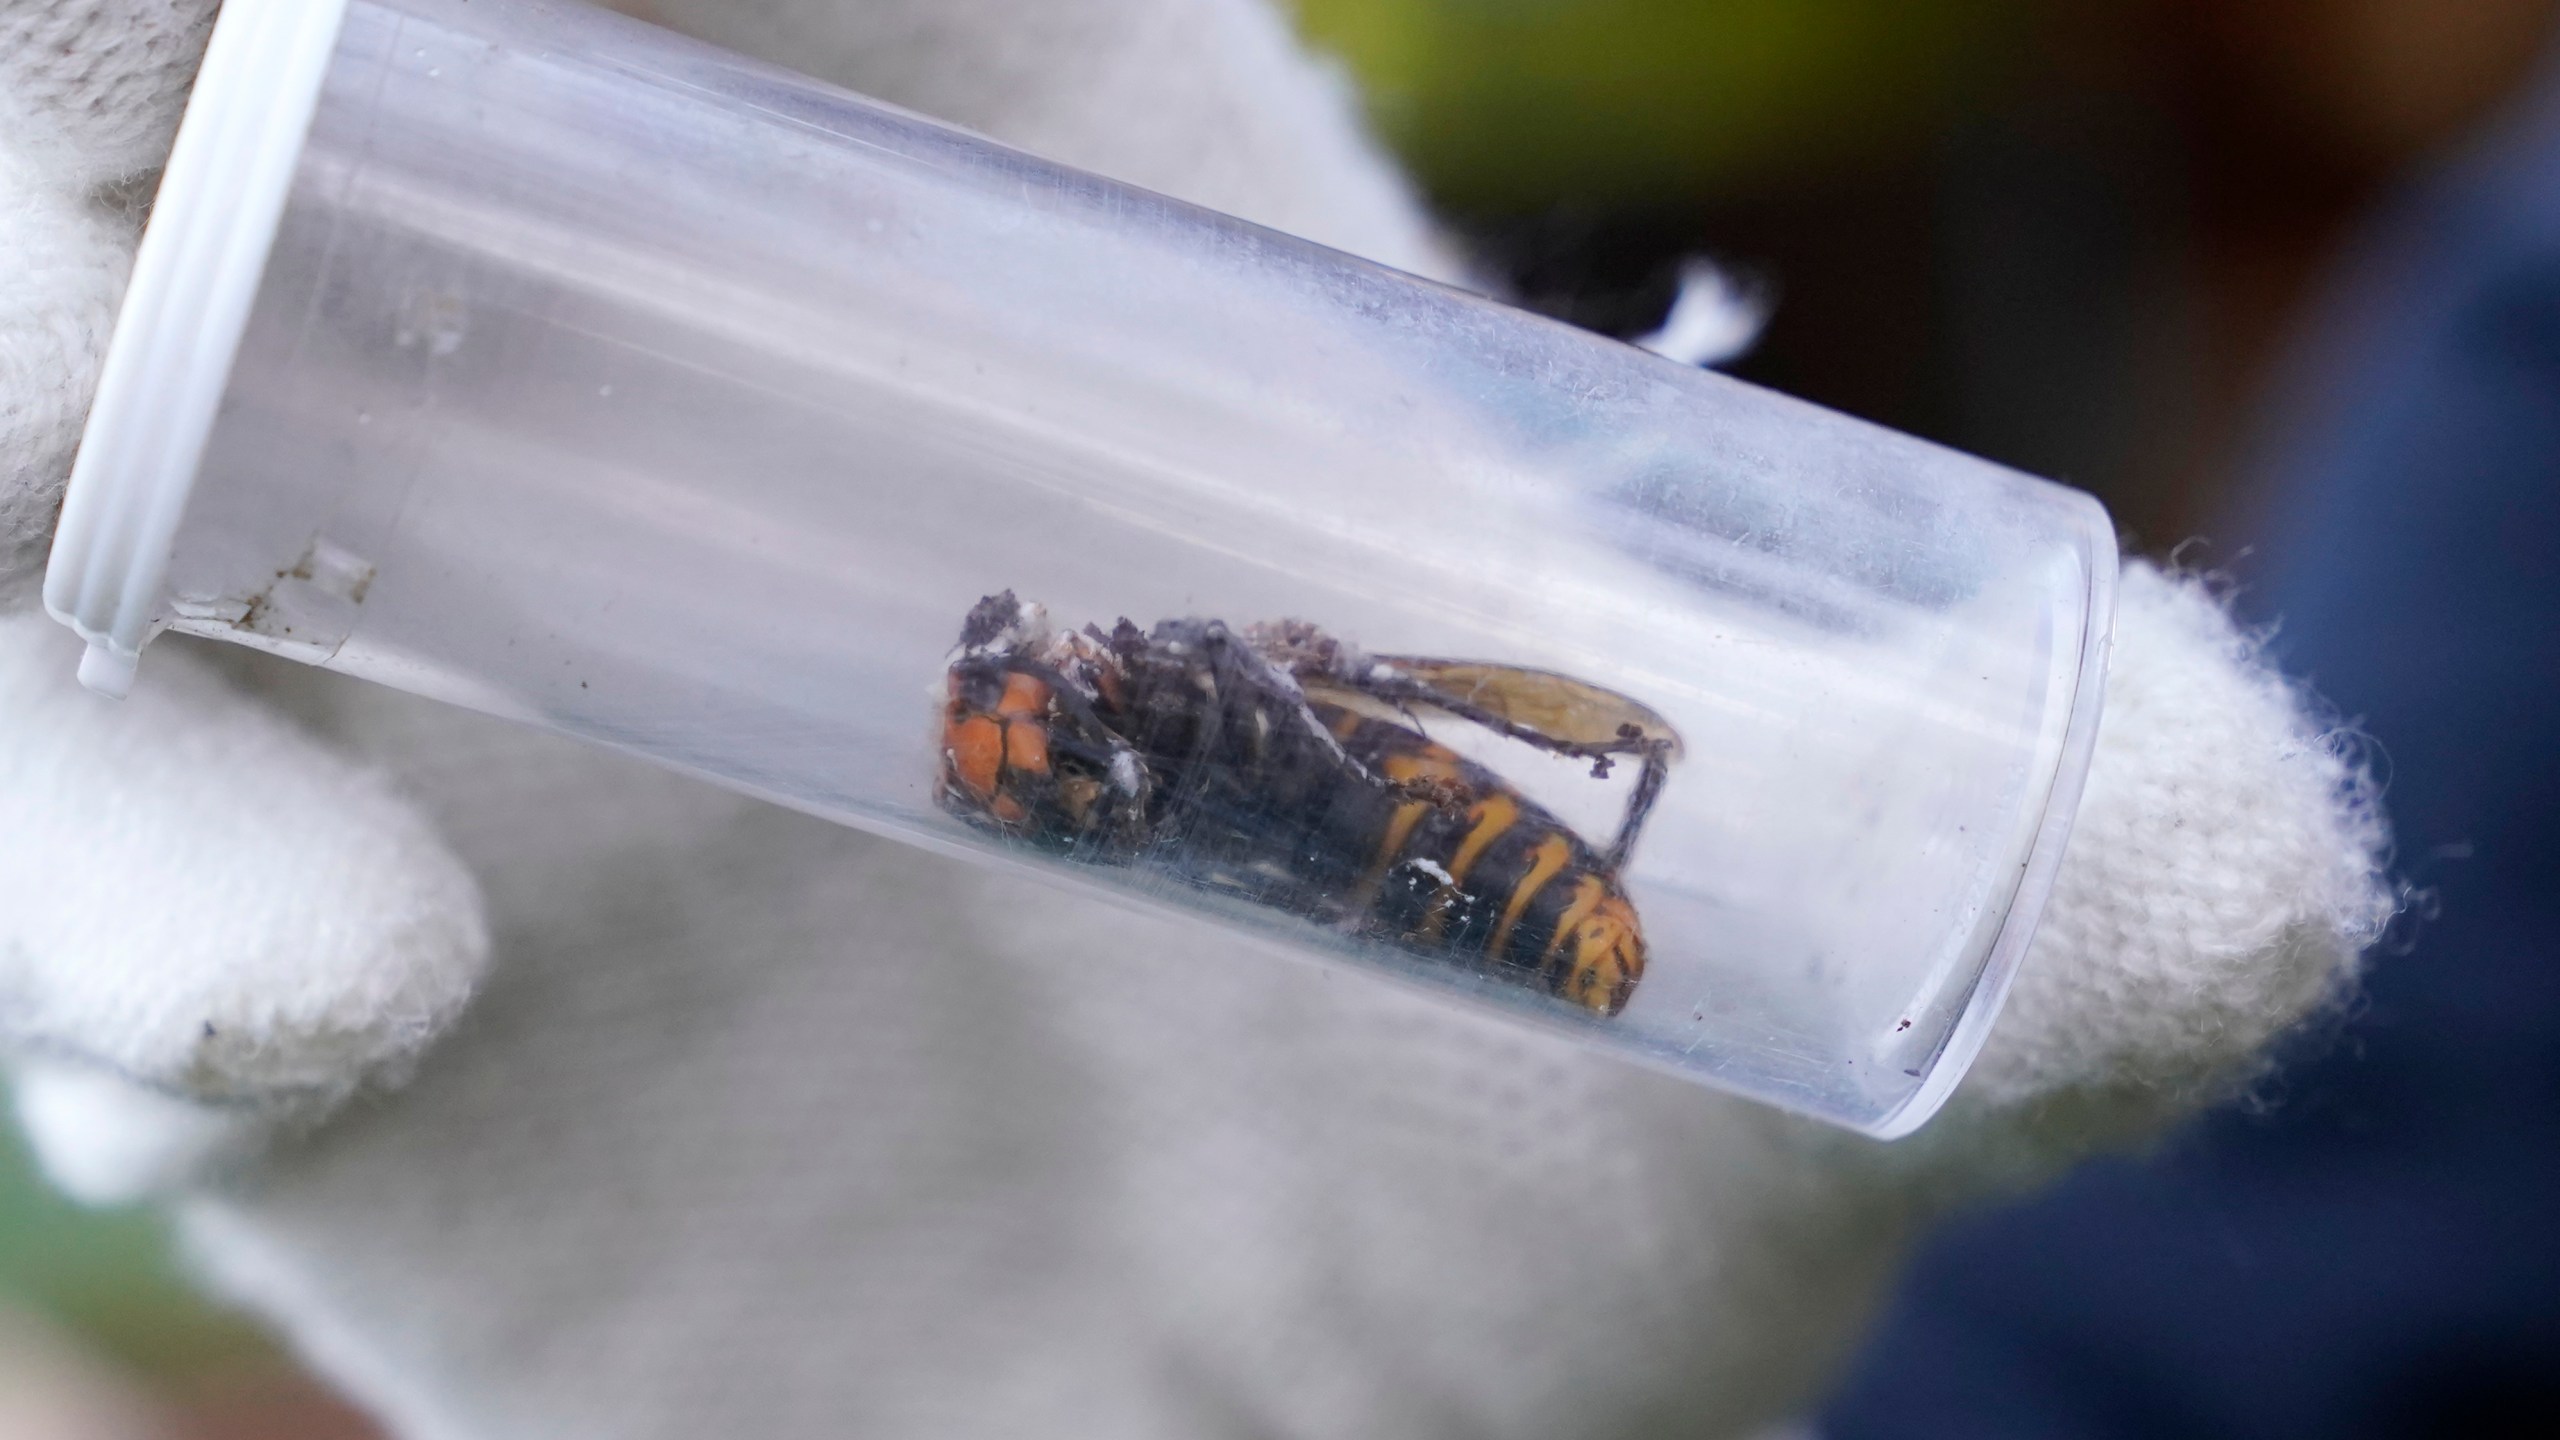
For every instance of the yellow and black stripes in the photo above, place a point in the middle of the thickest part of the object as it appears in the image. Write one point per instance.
(1479, 872)
(1187, 751)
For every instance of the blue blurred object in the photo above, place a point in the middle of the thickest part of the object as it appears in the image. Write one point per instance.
(2377, 1252)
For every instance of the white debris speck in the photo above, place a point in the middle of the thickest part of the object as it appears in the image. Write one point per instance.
(1713, 319)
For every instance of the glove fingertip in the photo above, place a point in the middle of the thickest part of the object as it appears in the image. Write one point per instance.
(197, 894)
(2226, 875)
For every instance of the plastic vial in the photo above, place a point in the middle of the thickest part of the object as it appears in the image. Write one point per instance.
(533, 359)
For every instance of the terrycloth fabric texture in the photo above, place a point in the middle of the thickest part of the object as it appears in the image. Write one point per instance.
(760, 1126)
(159, 921)
(2210, 857)
(90, 90)
(64, 269)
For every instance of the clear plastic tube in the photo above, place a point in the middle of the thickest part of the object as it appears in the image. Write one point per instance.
(576, 373)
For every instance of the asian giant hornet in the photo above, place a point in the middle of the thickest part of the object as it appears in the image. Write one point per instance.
(1282, 765)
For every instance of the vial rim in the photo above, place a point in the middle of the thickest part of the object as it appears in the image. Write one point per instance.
(195, 275)
(2025, 910)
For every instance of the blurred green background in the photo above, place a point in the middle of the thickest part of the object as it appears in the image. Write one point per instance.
(106, 1276)
(2063, 233)
(1511, 104)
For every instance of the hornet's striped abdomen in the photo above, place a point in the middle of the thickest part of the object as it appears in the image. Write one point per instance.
(1471, 869)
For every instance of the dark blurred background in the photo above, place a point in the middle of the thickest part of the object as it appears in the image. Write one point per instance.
(2065, 234)
(2071, 235)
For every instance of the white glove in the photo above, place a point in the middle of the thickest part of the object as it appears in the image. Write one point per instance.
(759, 1126)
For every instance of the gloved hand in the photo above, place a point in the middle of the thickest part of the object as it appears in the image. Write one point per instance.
(754, 1125)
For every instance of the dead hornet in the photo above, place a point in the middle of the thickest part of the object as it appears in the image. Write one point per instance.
(1281, 765)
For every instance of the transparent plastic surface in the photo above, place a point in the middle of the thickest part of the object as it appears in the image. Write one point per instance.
(603, 381)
